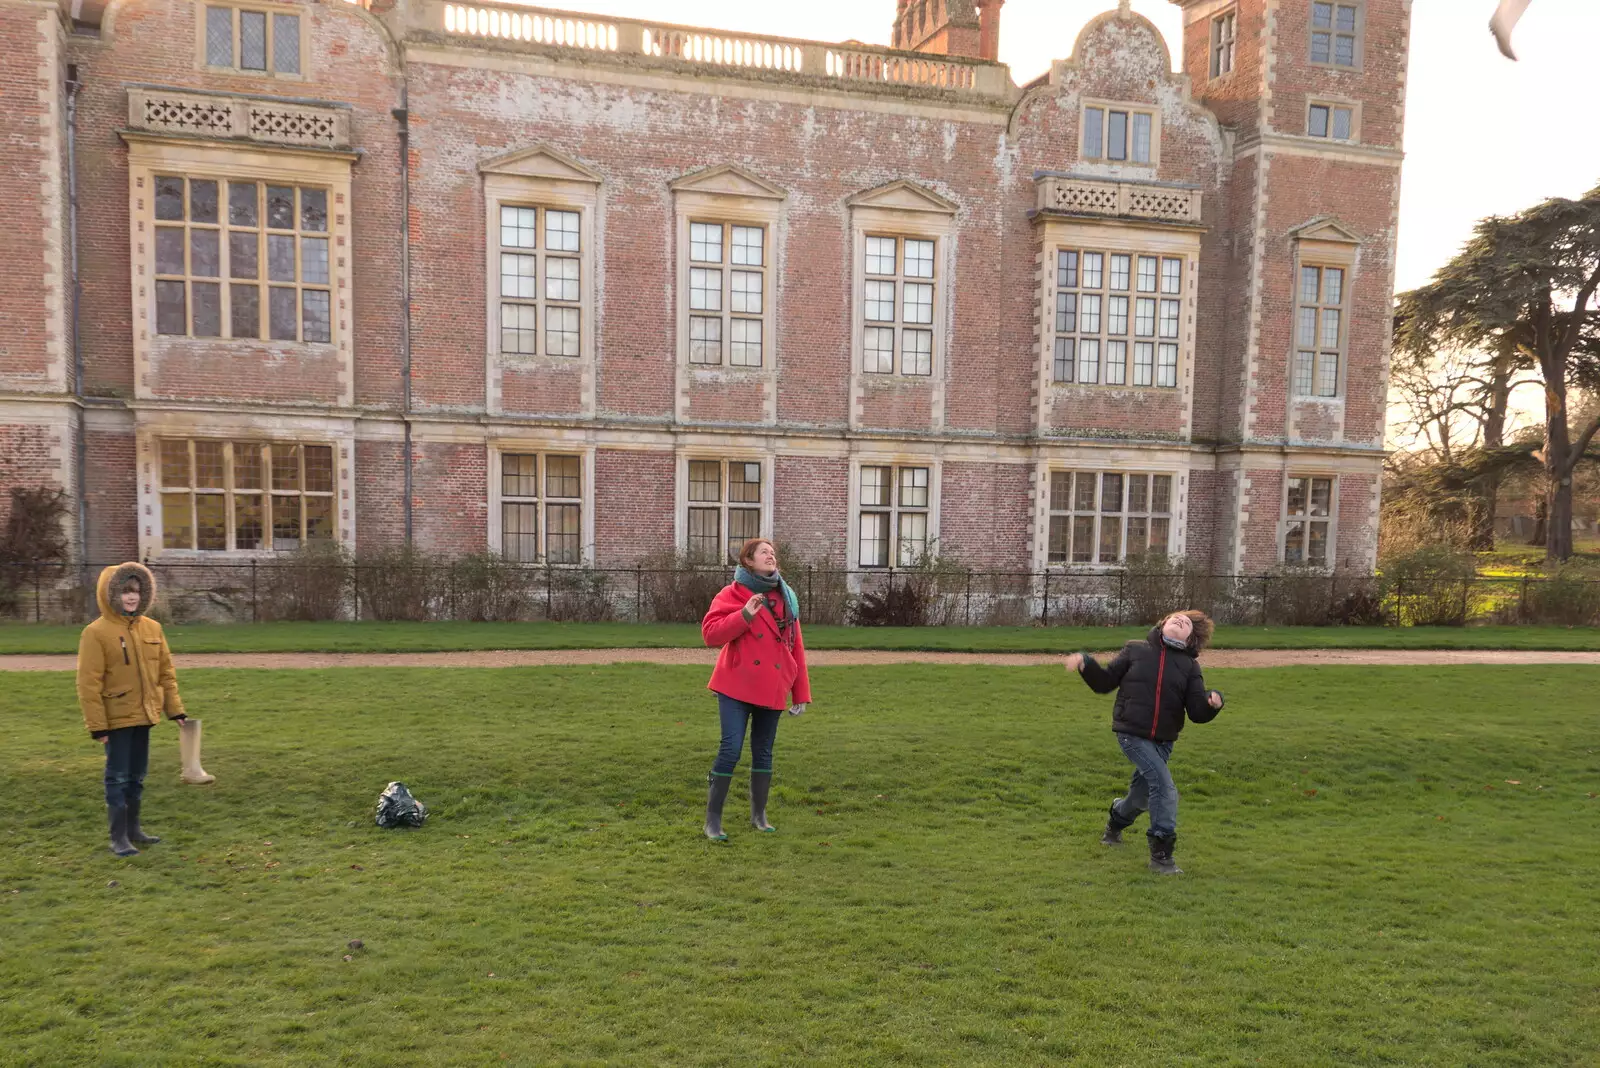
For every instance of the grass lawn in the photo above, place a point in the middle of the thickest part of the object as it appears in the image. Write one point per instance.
(1364, 885)
(455, 637)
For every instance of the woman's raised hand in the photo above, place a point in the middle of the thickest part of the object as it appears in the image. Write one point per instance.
(752, 606)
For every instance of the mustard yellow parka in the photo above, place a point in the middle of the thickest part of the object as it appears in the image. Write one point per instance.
(125, 674)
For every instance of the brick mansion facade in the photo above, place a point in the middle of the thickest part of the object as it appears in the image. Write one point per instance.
(580, 289)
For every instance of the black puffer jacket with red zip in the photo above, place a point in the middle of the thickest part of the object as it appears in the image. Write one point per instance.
(1157, 687)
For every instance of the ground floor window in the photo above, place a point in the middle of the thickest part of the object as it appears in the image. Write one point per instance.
(894, 515)
(1107, 517)
(541, 508)
(1308, 518)
(724, 508)
(218, 496)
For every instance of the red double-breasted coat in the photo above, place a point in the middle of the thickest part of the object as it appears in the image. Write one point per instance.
(756, 665)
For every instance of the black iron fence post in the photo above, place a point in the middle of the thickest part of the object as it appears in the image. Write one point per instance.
(355, 582)
(1122, 597)
(889, 600)
(1044, 609)
(969, 598)
(255, 612)
(36, 616)
(638, 593)
(809, 570)
(1266, 592)
(549, 593)
(1522, 600)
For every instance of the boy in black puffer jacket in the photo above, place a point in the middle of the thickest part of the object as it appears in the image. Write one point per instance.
(1158, 683)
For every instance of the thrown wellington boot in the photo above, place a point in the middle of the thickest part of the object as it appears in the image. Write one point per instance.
(760, 790)
(118, 817)
(189, 750)
(1161, 861)
(716, 797)
(135, 832)
(1115, 825)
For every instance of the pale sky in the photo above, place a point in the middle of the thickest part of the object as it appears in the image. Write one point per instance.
(1484, 135)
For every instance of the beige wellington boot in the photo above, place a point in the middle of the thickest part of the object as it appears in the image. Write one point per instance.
(189, 748)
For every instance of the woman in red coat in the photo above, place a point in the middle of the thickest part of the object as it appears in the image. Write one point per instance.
(760, 672)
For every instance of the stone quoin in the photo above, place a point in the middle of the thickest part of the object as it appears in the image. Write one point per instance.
(623, 287)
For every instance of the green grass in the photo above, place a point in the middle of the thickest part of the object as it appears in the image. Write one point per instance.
(460, 637)
(1364, 886)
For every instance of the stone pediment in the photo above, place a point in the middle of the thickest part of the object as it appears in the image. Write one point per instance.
(902, 196)
(727, 180)
(1325, 228)
(541, 161)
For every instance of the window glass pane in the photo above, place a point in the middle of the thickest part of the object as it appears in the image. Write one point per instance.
(1297, 496)
(1144, 363)
(744, 483)
(519, 532)
(319, 518)
(705, 534)
(919, 259)
(1066, 359)
(517, 275)
(1138, 535)
(705, 289)
(519, 227)
(519, 475)
(746, 291)
(202, 201)
(280, 257)
(1346, 16)
(169, 250)
(177, 521)
(561, 279)
(563, 533)
(247, 521)
(1319, 121)
(875, 486)
(314, 260)
(1333, 286)
(743, 524)
(314, 210)
(211, 521)
(913, 538)
(561, 333)
(210, 471)
(1117, 135)
(243, 204)
(918, 306)
(1088, 361)
(207, 308)
(1294, 544)
(252, 40)
(705, 339)
(563, 476)
(1060, 491)
(878, 357)
(881, 255)
(171, 308)
(169, 198)
(1110, 539)
(219, 36)
(1321, 496)
(286, 523)
(1171, 276)
(561, 231)
(518, 329)
(247, 465)
(1116, 363)
(1303, 365)
(280, 207)
(1169, 318)
(917, 352)
(880, 302)
(1317, 543)
(1111, 493)
(244, 316)
(1344, 51)
(285, 467)
(1093, 270)
(1161, 493)
(286, 44)
(1060, 539)
(1093, 133)
(1082, 539)
(1328, 375)
(1321, 47)
(705, 480)
(1322, 16)
(316, 324)
(1089, 313)
(1117, 315)
(1341, 123)
(1330, 328)
(1306, 327)
(705, 242)
(319, 468)
(1160, 536)
(1121, 267)
(1147, 274)
(1141, 137)
(1084, 486)
(1138, 493)
(1066, 269)
(744, 343)
(1144, 323)
(244, 251)
(1167, 366)
(874, 539)
(913, 487)
(205, 253)
(175, 463)
(748, 246)
(1066, 312)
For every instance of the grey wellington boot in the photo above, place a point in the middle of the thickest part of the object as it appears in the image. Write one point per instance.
(1115, 825)
(118, 817)
(760, 789)
(1161, 861)
(716, 797)
(135, 832)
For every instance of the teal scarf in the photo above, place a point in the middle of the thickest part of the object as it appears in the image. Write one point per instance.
(759, 583)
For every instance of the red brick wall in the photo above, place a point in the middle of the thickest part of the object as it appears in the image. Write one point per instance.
(1356, 544)
(1260, 533)
(112, 492)
(734, 400)
(810, 506)
(30, 457)
(451, 497)
(542, 390)
(26, 153)
(634, 494)
(1206, 497)
(986, 514)
(380, 494)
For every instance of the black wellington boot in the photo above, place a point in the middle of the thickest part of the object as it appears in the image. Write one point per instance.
(760, 789)
(1161, 861)
(118, 816)
(716, 796)
(135, 832)
(1115, 825)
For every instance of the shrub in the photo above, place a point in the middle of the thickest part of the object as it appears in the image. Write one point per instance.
(676, 589)
(308, 585)
(580, 596)
(1566, 596)
(488, 588)
(1431, 587)
(399, 583)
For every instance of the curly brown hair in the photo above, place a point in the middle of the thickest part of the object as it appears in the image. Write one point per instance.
(1200, 636)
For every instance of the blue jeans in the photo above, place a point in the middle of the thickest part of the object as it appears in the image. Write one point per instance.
(127, 760)
(1151, 786)
(735, 715)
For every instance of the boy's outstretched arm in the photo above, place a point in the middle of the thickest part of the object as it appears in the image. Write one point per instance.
(1101, 679)
(1197, 702)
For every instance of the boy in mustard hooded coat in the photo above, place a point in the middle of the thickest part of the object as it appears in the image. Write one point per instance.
(126, 682)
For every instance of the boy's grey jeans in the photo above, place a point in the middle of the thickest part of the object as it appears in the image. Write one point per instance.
(1151, 786)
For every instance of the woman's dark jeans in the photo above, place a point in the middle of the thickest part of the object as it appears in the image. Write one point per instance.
(735, 715)
(127, 760)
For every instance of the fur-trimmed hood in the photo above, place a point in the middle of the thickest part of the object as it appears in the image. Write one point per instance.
(114, 578)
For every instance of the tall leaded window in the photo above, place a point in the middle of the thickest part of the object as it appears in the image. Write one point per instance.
(238, 259)
(898, 305)
(1319, 331)
(541, 508)
(894, 515)
(1106, 517)
(1223, 29)
(1118, 135)
(218, 496)
(1308, 517)
(727, 294)
(1333, 34)
(541, 281)
(724, 508)
(1116, 318)
(1333, 121)
(252, 41)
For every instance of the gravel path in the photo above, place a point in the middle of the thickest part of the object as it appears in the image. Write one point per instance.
(1220, 658)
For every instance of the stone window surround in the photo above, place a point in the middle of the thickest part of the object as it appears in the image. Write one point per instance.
(307, 430)
(901, 210)
(896, 460)
(541, 177)
(1123, 514)
(1153, 164)
(1123, 461)
(731, 452)
(1360, 35)
(1310, 472)
(1331, 102)
(270, 9)
(1224, 29)
(153, 154)
(1323, 246)
(543, 446)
